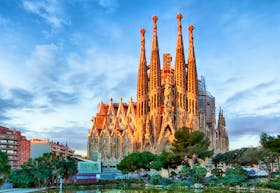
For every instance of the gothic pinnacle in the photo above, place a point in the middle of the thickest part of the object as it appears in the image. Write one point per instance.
(155, 82)
(179, 17)
(142, 31)
(191, 28)
(192, 82)
(155, 18)
(180, 66)
(142, 84)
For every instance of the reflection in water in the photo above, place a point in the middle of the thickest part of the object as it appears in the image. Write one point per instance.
(141, 191)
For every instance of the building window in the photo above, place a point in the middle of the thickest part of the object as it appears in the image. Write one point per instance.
(10, 151)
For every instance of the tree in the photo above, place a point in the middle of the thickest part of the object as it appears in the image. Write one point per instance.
(197, 173)
(243, 156)
(185, 172)
(268, 157)
(68, 167)
(166, 160)
(44, 171)
(191, 144)
(249, 157)
(271, 143)
(136, 161)
(235, 175)
(158, 162)
(5, 167)
(21, 178)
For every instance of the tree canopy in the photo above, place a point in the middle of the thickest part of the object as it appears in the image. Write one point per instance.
(270, 151)
(191, 144)
(136, 161)
(243, 156)
(43, 171)
(270, 142)
(5, 167)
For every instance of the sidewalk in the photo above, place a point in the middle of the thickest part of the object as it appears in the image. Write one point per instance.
(21, 190)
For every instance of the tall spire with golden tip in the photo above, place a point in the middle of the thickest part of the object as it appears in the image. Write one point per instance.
(155, 82)
(180, 69)
(142, 84)
(192, 82)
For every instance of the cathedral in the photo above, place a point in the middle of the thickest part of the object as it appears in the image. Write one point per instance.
(169, 96)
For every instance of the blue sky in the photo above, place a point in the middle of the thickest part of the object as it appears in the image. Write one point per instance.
(60, 58)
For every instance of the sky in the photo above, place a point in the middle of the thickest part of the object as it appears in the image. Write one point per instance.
(60, 58)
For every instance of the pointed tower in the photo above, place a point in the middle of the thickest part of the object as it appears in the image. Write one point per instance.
(192, 86)
(180, 78)
(142, 93)
(222, 143)
(155, 82)
(155, 88)
(142, 84)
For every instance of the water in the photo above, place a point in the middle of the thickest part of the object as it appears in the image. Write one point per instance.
(142, 191)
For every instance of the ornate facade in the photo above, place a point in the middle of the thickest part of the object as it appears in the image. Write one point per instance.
(167, 99)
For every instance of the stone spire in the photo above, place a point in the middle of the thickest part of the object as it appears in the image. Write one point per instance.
(221, 119)
(155, 97)
(222, 142)
(155, 82)
(180, 76)
(180, 67)
(192, 82)
(142, 83)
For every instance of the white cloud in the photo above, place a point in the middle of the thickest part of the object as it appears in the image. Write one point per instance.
(244, 141)
(44, 65)
(50, 10)
(109, 5)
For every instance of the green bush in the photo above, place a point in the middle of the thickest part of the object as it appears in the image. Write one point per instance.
(213, 182)
(235, 176)
(178, 184)
(245, 184)
(275, 184)
(197, 173)
(165, 181)
(156, 179)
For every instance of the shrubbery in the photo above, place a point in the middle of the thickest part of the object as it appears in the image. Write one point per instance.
(235, 176)
(155, 180)
(43, 171)
(159, 180)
